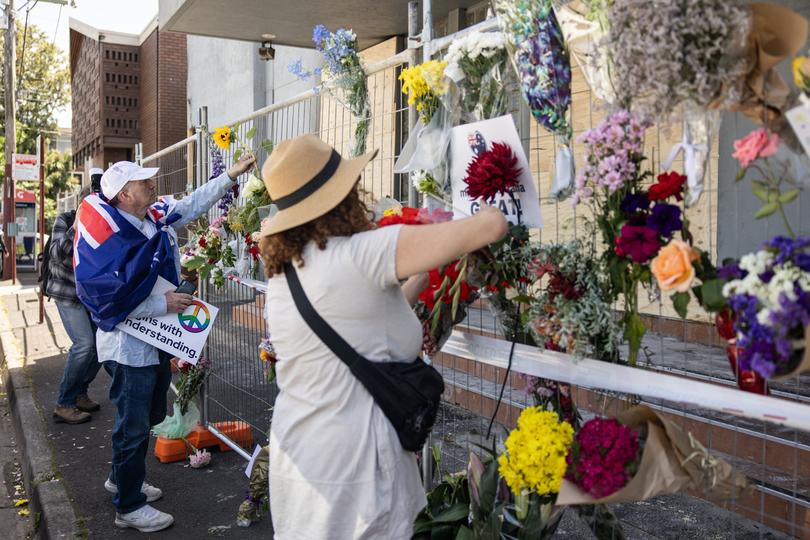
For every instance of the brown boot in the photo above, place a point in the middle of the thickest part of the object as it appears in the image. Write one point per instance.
(84, 403)
(70, 415)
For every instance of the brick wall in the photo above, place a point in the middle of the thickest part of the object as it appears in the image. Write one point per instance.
(148, 113)
(120, 82)
(172, 75)
(85, 87)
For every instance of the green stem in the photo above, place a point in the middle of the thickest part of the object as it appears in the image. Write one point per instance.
(785, 221)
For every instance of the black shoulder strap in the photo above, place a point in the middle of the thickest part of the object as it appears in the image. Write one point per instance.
(326, 333)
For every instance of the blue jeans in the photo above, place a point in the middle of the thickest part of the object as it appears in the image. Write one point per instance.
(82, 362)
(139, 393)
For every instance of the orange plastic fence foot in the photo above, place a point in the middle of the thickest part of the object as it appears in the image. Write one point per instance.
(238, 432)
(170, 450)
(200, 437)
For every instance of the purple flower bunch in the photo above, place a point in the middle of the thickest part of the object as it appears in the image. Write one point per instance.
(770, 297)
(217, 168)
(613, 154)
(604, 457)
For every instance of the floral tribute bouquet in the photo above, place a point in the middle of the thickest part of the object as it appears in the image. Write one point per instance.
(443, 303)
(633, 222)
(801, 73)
(477, 63)
(185, 414)
(604, 457)
(341, 53)
(424, 85)
(770, 301)
(267, 354)
(640, 455)
(208, 251)
(569, 312)
(532, 467)
(650, 77)
(755, 153)
(542, 62)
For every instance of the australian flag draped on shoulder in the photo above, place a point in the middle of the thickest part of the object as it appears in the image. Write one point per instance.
(116, 264)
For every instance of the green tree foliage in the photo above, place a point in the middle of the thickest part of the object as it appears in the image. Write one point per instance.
(43, 83)
(58, 181)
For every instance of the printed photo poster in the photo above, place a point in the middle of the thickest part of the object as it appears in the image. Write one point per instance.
(180, 334)
(468, 141)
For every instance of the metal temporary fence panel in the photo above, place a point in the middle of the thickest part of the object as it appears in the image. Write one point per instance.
(775, 457)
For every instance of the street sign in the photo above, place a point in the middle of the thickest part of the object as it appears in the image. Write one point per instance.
(25, 167)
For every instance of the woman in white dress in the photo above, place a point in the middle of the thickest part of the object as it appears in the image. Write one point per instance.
(337, 469)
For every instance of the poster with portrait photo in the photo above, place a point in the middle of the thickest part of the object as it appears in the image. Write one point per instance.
(470, 140)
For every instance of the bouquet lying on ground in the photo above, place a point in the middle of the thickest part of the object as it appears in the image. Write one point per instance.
(770, 298)
(638, 456)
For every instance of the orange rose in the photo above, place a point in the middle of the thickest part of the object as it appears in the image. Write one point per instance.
(672, 267)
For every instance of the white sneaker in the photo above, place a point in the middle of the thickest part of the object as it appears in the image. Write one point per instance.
(145, 519)
(152, 493)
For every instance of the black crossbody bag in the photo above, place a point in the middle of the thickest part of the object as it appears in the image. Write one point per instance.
(407, 392)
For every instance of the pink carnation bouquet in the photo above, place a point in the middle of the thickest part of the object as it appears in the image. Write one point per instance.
(604, 457)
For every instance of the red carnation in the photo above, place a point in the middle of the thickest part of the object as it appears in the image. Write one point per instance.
(407, 216)
(492, 173)
(669, 184)
(202, 242)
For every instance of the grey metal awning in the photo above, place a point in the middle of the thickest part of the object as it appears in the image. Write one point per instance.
(292, 21)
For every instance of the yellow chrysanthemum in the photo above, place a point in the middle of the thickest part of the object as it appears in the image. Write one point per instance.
(222, 137)
(801, 72)
(535, 452)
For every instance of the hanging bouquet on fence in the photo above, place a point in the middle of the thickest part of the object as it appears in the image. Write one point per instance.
(267, 354)
(343, 66)
(801, 73)
(638, 456)
(477, 64)
(569, 312)
(208, 251)
(426, 147)
(770, 301)
(542, 62)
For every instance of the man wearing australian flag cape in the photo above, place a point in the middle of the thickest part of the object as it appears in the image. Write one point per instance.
(124, 241)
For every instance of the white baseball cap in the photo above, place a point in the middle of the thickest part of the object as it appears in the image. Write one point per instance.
(95, 170)
(116, 177)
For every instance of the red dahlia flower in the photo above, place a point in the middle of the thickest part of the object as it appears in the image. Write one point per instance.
(669, 184)
(492, 173)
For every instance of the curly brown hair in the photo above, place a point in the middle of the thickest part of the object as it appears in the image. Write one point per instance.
(350, 216)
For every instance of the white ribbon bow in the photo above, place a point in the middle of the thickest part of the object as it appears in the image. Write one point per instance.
(694, 177)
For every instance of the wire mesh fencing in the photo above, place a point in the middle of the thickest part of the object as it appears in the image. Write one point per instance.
(774, 457)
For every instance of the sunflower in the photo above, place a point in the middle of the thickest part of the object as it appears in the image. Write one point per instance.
(223, 137)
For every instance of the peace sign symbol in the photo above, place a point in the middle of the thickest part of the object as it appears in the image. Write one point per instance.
(197, 320)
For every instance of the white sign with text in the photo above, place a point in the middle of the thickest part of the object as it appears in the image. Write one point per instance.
(25, 167)
(180, 334)
(467, 142)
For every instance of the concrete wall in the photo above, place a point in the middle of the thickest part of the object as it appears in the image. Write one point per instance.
(738, 232)
(230, 79)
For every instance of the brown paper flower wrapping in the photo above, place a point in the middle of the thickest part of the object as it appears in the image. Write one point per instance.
(776, 33)
(672, 461)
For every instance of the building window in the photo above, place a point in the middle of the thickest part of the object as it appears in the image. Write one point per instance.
(107, 77)
(136, 57)
(107, 55)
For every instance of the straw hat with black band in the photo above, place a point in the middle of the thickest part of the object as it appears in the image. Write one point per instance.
(306, 178)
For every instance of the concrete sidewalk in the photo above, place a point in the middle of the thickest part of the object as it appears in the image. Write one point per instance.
(73, 461)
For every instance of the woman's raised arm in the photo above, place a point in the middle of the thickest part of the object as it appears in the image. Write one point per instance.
(423, 247)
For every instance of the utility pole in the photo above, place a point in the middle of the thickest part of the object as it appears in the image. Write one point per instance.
(9, 270)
